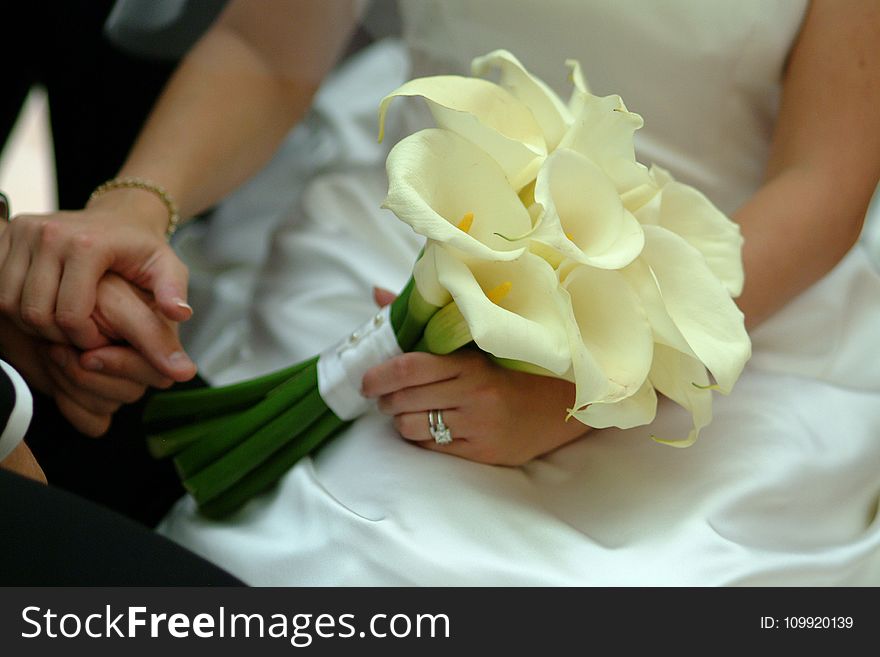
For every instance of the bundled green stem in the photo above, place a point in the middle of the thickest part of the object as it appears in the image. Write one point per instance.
(184, 405)
(233, 442)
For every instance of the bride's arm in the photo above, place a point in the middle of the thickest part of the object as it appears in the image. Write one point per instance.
(825, 158)
(235, 95)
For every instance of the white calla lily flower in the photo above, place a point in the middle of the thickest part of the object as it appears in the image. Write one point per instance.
(610, 338)
(425, 277)
(551, 113)
(603, 129)
(485, 114)
(451, 191)
(684, 380)
(688, 213)
(583, 217)
(636, 410)
(699, 305)
(514, 309)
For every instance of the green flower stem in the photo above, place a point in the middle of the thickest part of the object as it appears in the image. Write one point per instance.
(168, 443)
(202, 452)
(446, 332)
(409, 315)
(261, 478)
(256, 449)
(166, 407)
(400, 305)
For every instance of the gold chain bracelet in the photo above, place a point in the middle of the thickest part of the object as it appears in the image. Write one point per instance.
(146, 185)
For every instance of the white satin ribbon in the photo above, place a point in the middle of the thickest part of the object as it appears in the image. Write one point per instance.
(341, 368)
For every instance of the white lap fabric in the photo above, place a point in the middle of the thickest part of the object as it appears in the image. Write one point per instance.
(782, 487)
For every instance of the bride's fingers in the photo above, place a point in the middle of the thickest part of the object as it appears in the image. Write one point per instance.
(443, 394)
(407, 371)
(383, 297)
(127, 311)
(467, 441)
(415, 426)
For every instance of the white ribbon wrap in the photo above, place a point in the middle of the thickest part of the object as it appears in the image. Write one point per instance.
(341, 368)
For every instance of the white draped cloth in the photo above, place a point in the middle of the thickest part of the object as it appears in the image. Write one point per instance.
(781, 489)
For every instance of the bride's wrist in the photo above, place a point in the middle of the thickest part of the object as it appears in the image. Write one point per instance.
(138, 201)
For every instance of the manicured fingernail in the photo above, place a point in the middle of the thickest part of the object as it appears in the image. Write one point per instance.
(179, 359)
(58, 355)
(93, 363)
(183, 304)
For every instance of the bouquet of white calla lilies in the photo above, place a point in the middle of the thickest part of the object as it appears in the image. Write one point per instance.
(549, 247)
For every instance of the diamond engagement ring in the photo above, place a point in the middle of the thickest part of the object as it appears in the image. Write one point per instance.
(439, 431)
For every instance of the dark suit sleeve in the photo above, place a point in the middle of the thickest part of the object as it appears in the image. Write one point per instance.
(16, 407)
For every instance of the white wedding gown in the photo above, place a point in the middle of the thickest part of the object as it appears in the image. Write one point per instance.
(781, 489)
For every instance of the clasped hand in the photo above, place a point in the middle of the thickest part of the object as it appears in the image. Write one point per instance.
(90, 310)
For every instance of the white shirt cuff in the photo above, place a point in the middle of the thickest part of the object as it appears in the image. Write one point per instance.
(20, 417)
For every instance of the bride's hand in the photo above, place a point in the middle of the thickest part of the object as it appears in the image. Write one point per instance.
(496, 416)
(50, 265)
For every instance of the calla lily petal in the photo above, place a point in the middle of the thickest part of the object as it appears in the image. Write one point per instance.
(425, 277)
(644, 202)
(583, 217)
(576, 75)
(611, 333)
(633, 411)
(484, 113)
(437, 177)
(688, 213)
(580, 93)
(698, 304)
(684, 380)
(643, 281)
(629, 177)
(603, 131)
(552, 115)
(527, 324)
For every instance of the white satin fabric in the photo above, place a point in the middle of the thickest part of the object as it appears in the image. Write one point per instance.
(781, 489)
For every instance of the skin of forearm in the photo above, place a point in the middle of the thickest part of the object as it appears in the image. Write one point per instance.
(233, 99)
(796, 229)
(220, 119)
(824, 160)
